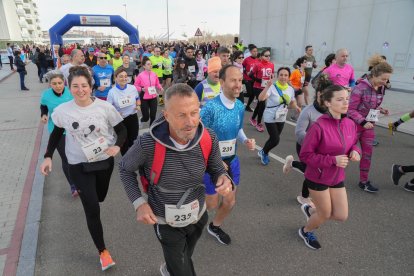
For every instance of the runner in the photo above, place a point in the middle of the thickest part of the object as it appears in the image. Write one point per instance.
(397, 171)
(210, 87)
(117, 60)
(341, 73)
(310, 64)
(191, 65)
(248, 64)
(364, 110)
(224, 55)
(404, 118)
(167, 66)
(103, 76)
(91, 145)
(177, 191)
(277, 97)
(124, 97)
(237, 60)
(134, 57)
(76, 58)
(50, 99)
(224, 115)
(148, 85)
(306, 119)
(297, 79)
(157, 60)
(202, 66)
(91, 60)
(261, 73)
(327, 148)
(126, 64)
(181, 74)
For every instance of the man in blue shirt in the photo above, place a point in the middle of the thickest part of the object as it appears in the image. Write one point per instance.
(224, 114)
(103, 76)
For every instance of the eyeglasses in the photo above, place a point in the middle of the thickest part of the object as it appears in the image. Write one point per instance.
(266, 55)
(240, 57)
(102, 57)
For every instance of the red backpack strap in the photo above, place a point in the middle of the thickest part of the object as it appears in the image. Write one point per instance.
(206, 144)
(157, 163)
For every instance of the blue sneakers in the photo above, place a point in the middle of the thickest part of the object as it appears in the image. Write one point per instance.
(263, 157)
(310, 239)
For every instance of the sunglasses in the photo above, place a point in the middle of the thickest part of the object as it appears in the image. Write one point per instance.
(102, 57)
(240, 57)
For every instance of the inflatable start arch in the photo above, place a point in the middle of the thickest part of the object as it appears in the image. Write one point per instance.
(71, 20)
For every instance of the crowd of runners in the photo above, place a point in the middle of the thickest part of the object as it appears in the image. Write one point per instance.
(187, 164)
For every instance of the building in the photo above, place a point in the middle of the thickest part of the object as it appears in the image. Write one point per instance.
(19, 21)
(364, 27)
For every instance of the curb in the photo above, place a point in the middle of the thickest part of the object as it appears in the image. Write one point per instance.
(8, 75)
(27, 259)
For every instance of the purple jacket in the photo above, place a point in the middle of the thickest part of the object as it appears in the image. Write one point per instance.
(325, 139)
(363, 98)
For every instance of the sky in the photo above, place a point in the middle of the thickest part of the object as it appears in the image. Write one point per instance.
(185, 16)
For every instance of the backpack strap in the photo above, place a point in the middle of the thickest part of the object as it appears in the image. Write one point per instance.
(206, 145)
(158, 162)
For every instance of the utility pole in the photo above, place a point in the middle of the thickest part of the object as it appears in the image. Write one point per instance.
(168, 25)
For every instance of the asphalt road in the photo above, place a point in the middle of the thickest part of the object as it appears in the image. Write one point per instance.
(375, 240)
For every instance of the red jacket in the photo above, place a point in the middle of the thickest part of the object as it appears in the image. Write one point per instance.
(262, 70)
(248, 65)
(325, 139)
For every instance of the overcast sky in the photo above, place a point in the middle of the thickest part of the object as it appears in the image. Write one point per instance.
(217, 16)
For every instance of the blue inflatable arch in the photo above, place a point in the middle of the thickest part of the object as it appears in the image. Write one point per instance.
(71, 20)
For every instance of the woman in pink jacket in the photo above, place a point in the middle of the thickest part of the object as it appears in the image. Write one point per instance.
(148, 86)
(329, 145)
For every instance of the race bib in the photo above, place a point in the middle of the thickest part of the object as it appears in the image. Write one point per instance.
(191, 68)
(152, 90)
(227, 148)
(129, 79)
(131, 59)
(264, 83)
(373, 115)
(94, 149)
(281, 113)
(159, 65)
(125, 101)
(244, 88)
(309, 64)
(105, 82)
(302, 79)
(187, 214)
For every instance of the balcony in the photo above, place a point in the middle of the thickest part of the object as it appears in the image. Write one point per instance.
(21, 12)
(18, 2)
(30, 28)
(27, 6)
(29, 16)
(23, 24)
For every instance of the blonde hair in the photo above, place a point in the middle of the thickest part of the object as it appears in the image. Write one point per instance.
(378, 65)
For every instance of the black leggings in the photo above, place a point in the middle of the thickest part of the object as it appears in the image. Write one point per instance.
(148, 109)
(260, 107)
(65, 166)
(132, 126)
(249, 88)
(274, 130)
(92, 188)
(302, 167)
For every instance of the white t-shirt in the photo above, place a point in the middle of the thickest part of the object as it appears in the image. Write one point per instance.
(65, 71)
(84, 125)
(124, 100)
(275, 112)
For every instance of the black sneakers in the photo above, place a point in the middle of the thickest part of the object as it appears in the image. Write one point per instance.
(409, 186)
(396, 174)
(219, 234)
(310, 239)
(367, 187)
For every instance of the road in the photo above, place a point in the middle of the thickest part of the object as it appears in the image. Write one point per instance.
(375, 240)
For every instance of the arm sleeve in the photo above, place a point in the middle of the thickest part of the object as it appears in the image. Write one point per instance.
(121, 133)
(54, 139)
(43, 110)
(354, 102)
(128, 166)
(301, 126)
(308, 153)
(241, 136)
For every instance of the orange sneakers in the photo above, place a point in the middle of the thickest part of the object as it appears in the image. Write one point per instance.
(106, 260)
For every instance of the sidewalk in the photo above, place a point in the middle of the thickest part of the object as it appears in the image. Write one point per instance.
(20, 134)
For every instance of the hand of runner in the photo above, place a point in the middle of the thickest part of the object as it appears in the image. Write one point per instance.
(385, 111)
(368, 125)
(46, 166)
(44, 119)
(112, 151)
(250, 144)
(342, 161)
(298, 109)
(223, 185)
(145, 214)
(354, 156)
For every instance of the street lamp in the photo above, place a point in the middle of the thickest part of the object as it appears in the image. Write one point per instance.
(168, 25)
(126, 14)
